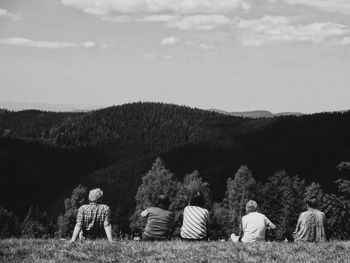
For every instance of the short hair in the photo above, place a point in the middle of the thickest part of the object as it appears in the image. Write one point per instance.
(95, 195)
(251, 206)
(312, 202)
(163, 202)
(197, 200)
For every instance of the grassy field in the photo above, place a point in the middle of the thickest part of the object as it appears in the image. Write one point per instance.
(52, 250)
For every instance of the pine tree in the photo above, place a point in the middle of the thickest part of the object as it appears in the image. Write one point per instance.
(240, 190)
(66, 222)
(281, 199)
(155, 182)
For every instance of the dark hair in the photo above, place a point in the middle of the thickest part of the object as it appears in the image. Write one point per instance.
(163, 202)
(197, 200)
(312, 202)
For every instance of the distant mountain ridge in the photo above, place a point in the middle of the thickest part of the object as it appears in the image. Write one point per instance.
(258, 113)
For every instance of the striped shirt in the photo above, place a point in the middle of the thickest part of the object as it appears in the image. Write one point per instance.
(195, 220)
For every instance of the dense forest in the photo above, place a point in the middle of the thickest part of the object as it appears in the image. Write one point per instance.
(45, 155)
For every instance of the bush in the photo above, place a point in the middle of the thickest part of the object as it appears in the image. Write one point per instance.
(9, 224)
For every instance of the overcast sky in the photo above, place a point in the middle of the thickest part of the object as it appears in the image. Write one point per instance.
(233, 55)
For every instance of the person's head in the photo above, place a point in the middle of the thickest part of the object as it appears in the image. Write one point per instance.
(311, 203)
(95, 195)
(197, 200)
(163, 202)
(251, 206)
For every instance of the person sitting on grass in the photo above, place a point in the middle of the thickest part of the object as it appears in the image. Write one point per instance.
(195, 220)
(159, 220)
(254, 225)
(93, 218)
(310, 225)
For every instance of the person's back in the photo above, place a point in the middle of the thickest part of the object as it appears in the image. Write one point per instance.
(159, 222)
(254, 227)
(93, 218)
(310, 226)
(195, 220)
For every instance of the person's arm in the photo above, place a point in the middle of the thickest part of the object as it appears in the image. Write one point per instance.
(144, 213)
(108, 230)
(77, 227)
(298, 224)
(270, 224)
(107, 225)
(76, 232)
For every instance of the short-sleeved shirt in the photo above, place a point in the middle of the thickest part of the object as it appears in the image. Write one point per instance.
(159, 222)
(310, 226)
(92, 218)
(195, 220)
(254, 227)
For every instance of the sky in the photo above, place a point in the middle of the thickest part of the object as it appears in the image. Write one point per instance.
(232, 55)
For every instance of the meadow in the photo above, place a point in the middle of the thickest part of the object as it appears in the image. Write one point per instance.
(55, 250)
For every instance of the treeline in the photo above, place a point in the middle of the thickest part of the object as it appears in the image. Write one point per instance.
(281, 198)
(44, 155)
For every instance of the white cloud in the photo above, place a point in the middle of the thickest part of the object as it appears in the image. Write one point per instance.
(194, 22)
(206, 46)
(105, 7)
(201, 22)
(270, 29)
(169, 40)
(24, 42)
(341, 6)
(155, 56)
(7, 14)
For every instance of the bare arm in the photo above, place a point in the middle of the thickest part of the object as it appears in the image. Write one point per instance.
(298, 225)
(76, 232)
(108, 230)
(270, 224)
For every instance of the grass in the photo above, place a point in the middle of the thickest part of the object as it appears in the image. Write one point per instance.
(53, 250)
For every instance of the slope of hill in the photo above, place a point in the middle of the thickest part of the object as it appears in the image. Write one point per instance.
(113, 147)
(258, 113)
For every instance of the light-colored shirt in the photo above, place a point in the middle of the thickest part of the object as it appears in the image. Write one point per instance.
(195, 220)
(159, 222)
(254, 227)
(310, 226)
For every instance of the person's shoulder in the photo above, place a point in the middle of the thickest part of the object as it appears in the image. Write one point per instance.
(104, 206)
(83, 207)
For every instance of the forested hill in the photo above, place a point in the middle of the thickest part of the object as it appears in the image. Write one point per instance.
(113, 147)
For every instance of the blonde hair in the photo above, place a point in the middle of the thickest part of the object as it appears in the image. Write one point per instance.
(251, 206)
(95, 195)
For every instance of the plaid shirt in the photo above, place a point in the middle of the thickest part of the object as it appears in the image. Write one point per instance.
(92, 218)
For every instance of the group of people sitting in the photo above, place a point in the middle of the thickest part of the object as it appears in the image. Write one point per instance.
(93, 220)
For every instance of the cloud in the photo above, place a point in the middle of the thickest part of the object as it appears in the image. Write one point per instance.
(194, 22)
(272, 29)
(206, 46)
(169, 40)
(45, 44)
(201, 22)
(341, 6)
(105, 7)
(7, 14)
(155, 56)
